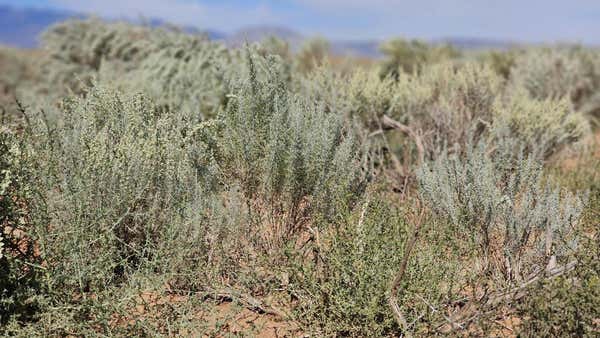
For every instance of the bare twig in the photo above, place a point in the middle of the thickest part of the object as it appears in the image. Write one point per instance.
(395, 288)
(448, 319)
(23, 111)
(249, 302)
(390, 123)
(3, 119)
(395, 160)
(518, 292)
(472, 311)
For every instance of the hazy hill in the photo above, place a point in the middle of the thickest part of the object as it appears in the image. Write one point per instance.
(21, 28)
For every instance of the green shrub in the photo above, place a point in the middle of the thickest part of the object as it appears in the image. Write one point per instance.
(273, 45)
(499, 200)
(18, 71)
(545, 126)
(118, 178)
(502, 62)
(186, 76)
(343, 291)
(290, 156)
(567, 305)
(444, 102)
(20, 277)
(179, 71)
(178, 168)
(361, 94)
(78, 49)
(572, 72)
(312, 54)
(409, 56)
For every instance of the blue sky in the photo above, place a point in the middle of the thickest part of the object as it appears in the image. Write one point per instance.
(520, 20)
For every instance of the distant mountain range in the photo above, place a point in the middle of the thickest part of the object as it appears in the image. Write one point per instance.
(22, 27)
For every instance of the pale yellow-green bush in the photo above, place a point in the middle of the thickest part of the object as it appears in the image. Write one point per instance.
(545, 126)
(444, 101)
(18, 71)
(187, 76)
(273, 45)
(116, 176)
(549, 73)
(361, 93)
(290, 155)
(572, 72)
(409, 56)
(180, 72)
(14, 68)
(501, 62)
(312, 54)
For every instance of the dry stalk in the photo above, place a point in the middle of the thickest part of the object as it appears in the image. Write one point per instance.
(396, 283)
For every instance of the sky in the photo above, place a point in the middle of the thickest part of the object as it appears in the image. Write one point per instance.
(516, 20)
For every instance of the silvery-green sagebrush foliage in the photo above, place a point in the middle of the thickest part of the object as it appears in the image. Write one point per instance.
(502, 62)
(284, 150)
(178, 71)
(571, 72)
(185, 76)
(550, 73)
(493, 195)
(18, 277)
(544, 126)
(77, 49)
(275, 46)
(445, 101)
(127, 183)
(361, 93)
(121, 181)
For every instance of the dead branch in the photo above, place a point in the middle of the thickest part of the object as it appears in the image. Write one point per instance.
(248, 301)
(395, 288)
(388, 123)
(472, 312)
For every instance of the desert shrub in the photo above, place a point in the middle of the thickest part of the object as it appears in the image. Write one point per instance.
(501, 61)
(118, 178)
(567, 305)
(501, 202)
(273, 45)
(343, 291)
(445, 102)
(290, 156)
(179, 71)
(558, 72)
(545, 126)
(18, 71)
(13, 68)
(361, 94)
(77, 49)
(312, 54)
(185, 76)
(408, 56)
(281, 48)
(20, 277)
